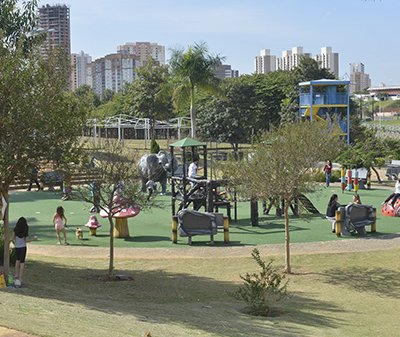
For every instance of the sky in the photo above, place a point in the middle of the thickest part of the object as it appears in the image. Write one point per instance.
(359, 30)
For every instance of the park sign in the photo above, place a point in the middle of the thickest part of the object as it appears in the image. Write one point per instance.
(3, 206)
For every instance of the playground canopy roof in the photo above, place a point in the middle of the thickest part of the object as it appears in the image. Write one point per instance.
(187, 142)
(324, 81)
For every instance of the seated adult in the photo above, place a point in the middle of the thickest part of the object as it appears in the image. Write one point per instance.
(333, 206)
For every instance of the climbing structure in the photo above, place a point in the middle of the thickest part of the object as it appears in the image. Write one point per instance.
(329, 100)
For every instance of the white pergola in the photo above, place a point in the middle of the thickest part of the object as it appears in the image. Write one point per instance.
(121, 122)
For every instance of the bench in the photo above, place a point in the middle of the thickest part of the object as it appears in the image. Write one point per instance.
(190, 223)
(353, 218)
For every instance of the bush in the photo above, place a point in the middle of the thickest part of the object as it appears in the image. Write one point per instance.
(262, 289)
(335, 176)
(154, 147)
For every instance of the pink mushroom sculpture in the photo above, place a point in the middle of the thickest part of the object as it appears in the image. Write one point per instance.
(93, 224)
(121, 216)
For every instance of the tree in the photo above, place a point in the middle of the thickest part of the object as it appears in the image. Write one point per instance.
(193, 70)
(282, 164)
(148, 95)
(230, 120)
(114, 176)
(39, 120)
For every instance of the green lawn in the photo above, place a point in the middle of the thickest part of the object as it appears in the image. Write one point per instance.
(152, 228)
(352, 294)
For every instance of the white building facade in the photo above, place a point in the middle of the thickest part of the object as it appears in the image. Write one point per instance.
(265, 62)
(144, 50)
(328, 60)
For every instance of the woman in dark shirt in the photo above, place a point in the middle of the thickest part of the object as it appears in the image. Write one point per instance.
(333, 206)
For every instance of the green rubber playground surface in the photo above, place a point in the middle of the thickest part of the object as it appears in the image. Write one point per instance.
(152, 228)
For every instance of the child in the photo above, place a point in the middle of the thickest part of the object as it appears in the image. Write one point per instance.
(20, 237)
(60, 222)
(356, 199)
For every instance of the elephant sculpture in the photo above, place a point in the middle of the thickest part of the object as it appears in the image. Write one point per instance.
(155, 167)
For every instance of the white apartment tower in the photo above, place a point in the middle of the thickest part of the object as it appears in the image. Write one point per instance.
(144, 50)
(359, 80)
(112, 72)
(291, 58)
(80, 64)
(265, 63)
(329, 60)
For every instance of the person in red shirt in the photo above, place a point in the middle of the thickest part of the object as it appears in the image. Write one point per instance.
(328, 171)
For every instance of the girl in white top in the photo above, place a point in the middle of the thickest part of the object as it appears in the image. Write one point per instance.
(60, 222)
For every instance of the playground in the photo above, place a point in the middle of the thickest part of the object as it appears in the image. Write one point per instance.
(152, 227)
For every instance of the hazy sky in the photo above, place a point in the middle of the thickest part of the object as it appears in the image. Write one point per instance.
(359, 30)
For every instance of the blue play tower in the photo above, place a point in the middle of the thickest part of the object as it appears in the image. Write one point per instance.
(326, 100)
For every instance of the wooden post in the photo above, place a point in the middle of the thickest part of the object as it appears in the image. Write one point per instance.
(174, 229)
(338, 225)
(226, 229)
(121, 229)
(373, 226)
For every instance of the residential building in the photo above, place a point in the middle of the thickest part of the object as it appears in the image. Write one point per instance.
(80, 64)
(329, 60)
(54, 20)
(225, 71)
(290, 58)
(359, 80)
(265, 62)
(112, 72)
(144, 50)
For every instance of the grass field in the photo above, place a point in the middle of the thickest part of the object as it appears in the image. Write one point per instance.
(331, 295)
(349, 294)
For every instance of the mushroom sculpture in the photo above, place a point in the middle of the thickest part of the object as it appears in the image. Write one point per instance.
(93, 224)
(121, 215)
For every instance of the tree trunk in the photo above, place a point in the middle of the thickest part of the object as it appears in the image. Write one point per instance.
(192, 114)
(6, 235)
(111, 261)
(377, 174)
(288, 269)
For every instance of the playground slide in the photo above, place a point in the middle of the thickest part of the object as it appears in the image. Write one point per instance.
(307, 204)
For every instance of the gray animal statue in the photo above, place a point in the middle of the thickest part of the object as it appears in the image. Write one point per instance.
(155, 167)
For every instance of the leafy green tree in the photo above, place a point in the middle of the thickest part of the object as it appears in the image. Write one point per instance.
(39, 120)
(282, 164)
(193, 70)
(231, 120)
(148, 95)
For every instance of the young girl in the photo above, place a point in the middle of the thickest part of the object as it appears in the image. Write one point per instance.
(328, 172)
(60, 222)
(20, 235)
(356, 199)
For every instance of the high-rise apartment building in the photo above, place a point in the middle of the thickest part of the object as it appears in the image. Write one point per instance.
(265, 62)
(328, 60)
(112, 72)
(144, 50)
(290, 58)
(55, 22)
(80, 64)
(225, 71)
(359, 80)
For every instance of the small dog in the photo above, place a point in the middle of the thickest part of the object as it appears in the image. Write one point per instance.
(79, 234)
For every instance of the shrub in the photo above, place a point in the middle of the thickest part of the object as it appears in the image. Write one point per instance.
(335, 176)
(261, 289)
(154, 147)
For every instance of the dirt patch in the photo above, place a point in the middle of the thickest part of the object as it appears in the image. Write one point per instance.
(388, 241)
(4, 332)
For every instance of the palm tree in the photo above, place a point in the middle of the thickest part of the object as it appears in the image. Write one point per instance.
(193, 69)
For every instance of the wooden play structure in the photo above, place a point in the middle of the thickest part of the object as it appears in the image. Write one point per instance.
(195, 192)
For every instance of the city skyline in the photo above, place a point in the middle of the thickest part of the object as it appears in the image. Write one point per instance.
(356, 29)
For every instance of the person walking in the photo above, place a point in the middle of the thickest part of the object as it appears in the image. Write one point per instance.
(60, 222)
(21, 232)
(328, 172)
(33, 178)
